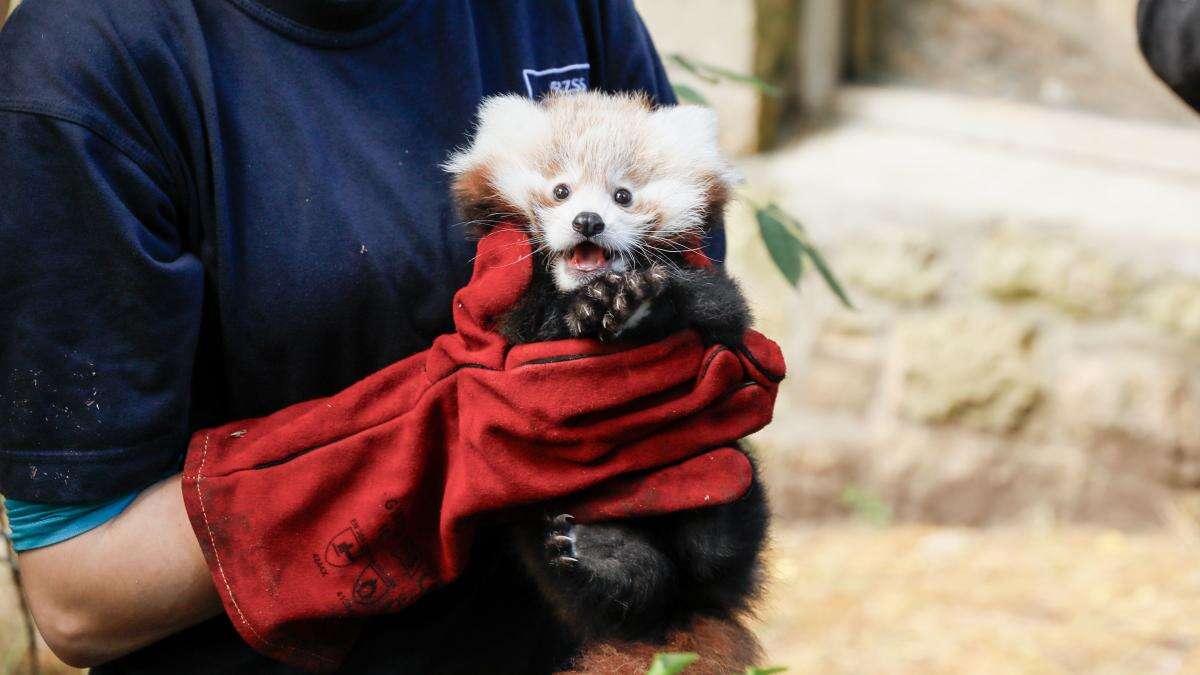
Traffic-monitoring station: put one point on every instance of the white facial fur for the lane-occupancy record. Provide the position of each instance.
(668, 159)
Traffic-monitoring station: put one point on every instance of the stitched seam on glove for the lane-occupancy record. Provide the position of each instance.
(555, 359)
(730, 393)
(455, 369)
(775, 378)
(579, 357)
(221, 568)
(327, 443)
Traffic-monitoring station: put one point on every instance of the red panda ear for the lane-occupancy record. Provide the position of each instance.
(692, 132)
(510, 122)
(689, 126)
(508, 127)
(716, 196)
(505, 125)
(476, 199)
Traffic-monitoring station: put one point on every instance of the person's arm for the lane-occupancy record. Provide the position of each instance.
(100, 303)
(123, 585)
(98, 318)
(1169, 35)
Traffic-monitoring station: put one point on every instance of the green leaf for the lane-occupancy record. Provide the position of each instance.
(670, 664)
(757, 83)
(693, 68)
(867, 506)
(784, 246)
(713, 74)
(689, 95)
(782, 232)
(786, 218)
(831, 281)
(764, 671)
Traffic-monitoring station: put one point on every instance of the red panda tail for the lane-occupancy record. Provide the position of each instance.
(724, 645)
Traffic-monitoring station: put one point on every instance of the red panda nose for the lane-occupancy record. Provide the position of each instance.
(588, 224)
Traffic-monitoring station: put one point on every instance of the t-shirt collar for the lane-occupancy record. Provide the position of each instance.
(328, 23)
(331, 15)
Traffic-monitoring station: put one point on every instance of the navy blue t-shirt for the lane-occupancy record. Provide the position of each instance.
(210, 210)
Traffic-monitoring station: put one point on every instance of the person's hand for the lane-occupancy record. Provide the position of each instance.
(359, 503)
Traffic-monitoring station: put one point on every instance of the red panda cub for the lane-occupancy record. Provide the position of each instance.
(614, 193)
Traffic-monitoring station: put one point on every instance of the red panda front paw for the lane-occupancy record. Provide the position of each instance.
(604, 307)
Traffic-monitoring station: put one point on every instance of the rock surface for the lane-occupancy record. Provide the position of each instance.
(1025, 345)
(966, 367)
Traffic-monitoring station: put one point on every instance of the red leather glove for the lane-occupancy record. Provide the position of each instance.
(358, 503)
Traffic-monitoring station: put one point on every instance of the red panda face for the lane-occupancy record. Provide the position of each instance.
(602, 182)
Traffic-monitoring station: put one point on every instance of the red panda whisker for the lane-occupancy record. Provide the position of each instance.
(651, 255)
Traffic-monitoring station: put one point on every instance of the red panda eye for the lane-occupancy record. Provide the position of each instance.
(561, 192)
(622, 197)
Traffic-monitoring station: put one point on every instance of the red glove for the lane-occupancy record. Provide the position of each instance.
(358, 503)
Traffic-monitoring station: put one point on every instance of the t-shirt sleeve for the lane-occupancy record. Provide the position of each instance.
(100, 305)
(1169, 35)
(36, 525)
(631, 63)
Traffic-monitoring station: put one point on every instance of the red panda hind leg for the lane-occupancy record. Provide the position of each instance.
(724, 645)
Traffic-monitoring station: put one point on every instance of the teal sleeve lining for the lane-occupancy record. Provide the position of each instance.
(36, 525)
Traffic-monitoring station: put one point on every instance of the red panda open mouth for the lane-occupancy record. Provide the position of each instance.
(588, 257)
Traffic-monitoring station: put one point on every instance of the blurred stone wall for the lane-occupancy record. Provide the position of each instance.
(1071, 53)
(1027, 340)
(1026, 346)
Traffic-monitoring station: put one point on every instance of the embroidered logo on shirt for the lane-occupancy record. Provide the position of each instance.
(567, 79)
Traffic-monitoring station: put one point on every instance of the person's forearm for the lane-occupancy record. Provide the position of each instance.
(123, 585)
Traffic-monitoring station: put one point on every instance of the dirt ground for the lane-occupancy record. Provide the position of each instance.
(929, 600)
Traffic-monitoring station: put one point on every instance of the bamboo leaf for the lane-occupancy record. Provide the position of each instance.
(831, 281)
(693, 68)
(785, 247)
(786, 218)
(764, 671)
(689, 95)
(757, 83)
(712, 74)
(670, 664)
(795, 230)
